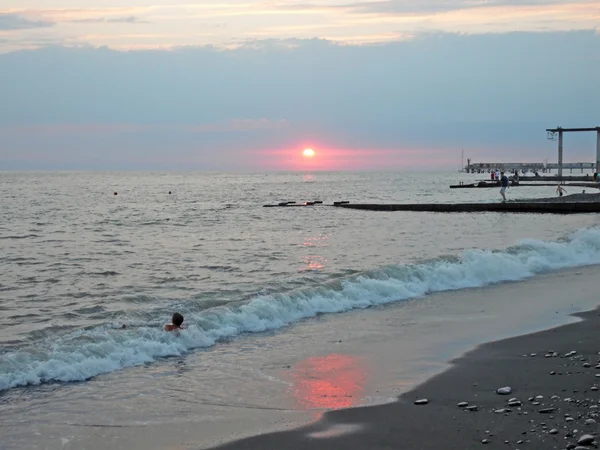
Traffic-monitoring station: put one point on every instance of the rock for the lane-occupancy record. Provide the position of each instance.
(594, 388)
(485, 441)
(547, 410)
(598, 375)
(598, 366)
(571, 446)
(555, 397)
(519, 442)
(504, 390)
(500, 411)
(463, 404)
(535, 403)
(533, 354)
(570, 419)
(539, 397)
(553, 373)
(586, 365)
(586, 439)
(514, 399)
(579, 447)
(571, 353)
(514, 403)
(531, 399)
(553, 431)
(590, 422)
(422, 401)
(472, 408)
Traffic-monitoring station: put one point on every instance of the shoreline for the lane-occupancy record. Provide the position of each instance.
(556, 392)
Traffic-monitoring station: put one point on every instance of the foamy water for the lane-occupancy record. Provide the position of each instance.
(79, 355)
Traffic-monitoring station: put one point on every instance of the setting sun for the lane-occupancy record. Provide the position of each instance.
(308, 152)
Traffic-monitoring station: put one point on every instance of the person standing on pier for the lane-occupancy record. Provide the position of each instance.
(560, 190)
(504, 183)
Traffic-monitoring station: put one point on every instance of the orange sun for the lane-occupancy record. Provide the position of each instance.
(308, 152)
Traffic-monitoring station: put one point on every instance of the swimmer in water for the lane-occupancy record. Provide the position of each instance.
(177, 323)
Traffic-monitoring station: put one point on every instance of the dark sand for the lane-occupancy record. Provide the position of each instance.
(527, 364)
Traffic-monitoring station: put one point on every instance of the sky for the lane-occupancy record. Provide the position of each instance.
(248, 85)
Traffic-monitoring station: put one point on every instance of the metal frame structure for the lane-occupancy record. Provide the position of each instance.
(560, 130)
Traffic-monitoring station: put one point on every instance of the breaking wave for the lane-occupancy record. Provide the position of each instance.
(80, 355)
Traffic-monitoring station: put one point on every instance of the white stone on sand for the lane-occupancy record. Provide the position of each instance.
(504, 390)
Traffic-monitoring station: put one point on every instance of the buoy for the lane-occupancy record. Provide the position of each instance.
(169, 192)
(116, 193)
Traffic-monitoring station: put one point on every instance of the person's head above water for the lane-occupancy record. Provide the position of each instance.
(177, 319)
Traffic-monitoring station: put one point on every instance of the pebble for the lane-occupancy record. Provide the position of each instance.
(553, 431)
(514, 403)
(422, 401)
(598, 375)
(472, 408)
(571, 446)
(586, 439)
(587, 364)
(555, 397)
(539, 397)
(553, 373)
(570, 419)
(500, 411)
(504, 390)
(463, 404)
(519, 442)
(533, 354)
(590, 422)
(579, 447)
(547, 410)
(485, 441)
(535, 403)
(594, 388)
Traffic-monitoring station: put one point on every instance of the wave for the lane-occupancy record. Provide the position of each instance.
(83, 354)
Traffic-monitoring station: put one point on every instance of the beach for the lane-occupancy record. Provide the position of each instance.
(552, 402)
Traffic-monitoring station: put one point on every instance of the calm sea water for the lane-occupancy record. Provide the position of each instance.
(78, 261)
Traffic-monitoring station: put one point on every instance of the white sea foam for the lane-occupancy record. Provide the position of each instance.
(86, 353)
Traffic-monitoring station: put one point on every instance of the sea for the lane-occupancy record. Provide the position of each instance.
(93, 264)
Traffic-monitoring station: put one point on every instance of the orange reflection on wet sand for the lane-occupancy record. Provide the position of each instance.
(329, 382)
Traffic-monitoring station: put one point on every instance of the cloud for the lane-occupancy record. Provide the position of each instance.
(127, 19)
(9, 22)
(492, 94)
(106, 129)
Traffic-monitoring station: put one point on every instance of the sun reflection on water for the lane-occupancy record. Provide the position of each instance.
(328, 382)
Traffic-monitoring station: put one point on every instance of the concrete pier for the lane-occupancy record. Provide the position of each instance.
(509, 207)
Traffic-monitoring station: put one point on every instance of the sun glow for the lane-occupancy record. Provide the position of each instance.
(308, 152)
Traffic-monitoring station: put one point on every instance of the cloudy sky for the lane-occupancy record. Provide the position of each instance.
(248, 84)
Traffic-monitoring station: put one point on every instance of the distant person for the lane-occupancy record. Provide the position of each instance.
(504, 183)
(177, 321)
(595, 176)
(560, 190)
(493, 175)
(498, 175)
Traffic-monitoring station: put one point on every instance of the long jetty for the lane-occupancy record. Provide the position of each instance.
(539, 207)
(493, 184)
(512, 207)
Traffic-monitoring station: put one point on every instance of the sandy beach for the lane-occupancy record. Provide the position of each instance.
(552, 402)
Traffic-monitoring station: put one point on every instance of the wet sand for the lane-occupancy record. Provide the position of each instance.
(554, 377)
